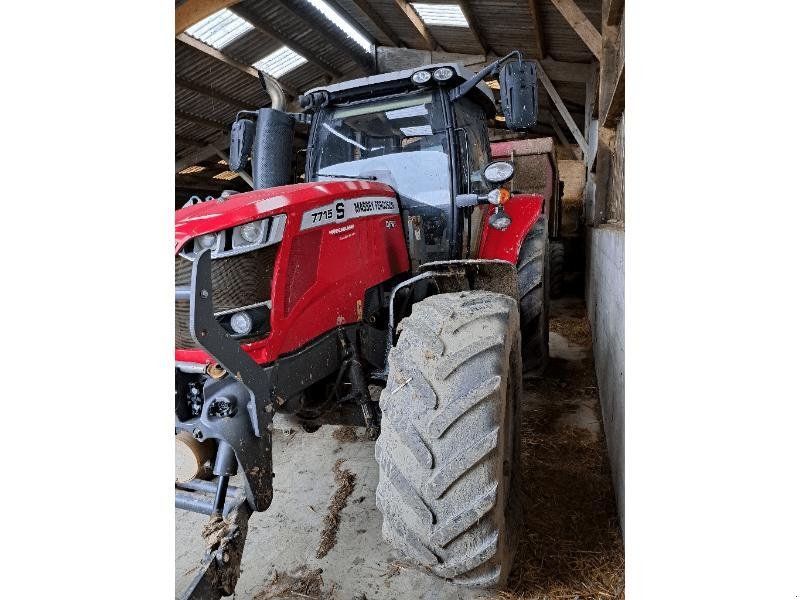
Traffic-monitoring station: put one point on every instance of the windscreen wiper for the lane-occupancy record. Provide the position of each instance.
(368, 177)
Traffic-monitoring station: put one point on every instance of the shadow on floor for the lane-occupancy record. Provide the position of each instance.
(570, 546)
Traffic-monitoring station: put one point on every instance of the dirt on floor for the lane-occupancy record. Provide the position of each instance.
(577, 331)
(345, 482)
(345, 434)
(571, 547)
(299, 583)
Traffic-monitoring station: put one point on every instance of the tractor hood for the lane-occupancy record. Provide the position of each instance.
(293, 200)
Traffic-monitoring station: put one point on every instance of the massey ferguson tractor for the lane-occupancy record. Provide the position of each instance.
(405, 259)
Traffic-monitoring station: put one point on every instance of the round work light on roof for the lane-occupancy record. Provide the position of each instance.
(421, 77)
(442, 74)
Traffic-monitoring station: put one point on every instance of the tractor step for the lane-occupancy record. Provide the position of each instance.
(224, 536)
(198, 496)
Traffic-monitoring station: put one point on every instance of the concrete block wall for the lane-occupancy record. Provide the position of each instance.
(605, 303)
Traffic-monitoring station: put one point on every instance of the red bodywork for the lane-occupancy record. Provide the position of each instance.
(523, 209)
(320, 274)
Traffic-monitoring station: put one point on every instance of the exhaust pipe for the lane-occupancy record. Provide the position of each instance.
(276, 96)
(270, 139)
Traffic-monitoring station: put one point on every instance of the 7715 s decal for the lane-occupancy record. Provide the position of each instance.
(344, 210)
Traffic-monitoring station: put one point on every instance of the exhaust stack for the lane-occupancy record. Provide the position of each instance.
(268, 134)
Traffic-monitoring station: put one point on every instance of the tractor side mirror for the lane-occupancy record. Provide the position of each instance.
(243, 132)
(518, 93)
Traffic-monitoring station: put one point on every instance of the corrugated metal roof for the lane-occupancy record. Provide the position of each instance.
(504, 24)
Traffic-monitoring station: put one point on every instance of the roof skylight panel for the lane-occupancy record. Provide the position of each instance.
(280, 62)
(447, 15)
(220, 29)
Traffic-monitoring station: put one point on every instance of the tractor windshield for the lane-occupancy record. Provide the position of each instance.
(400, 142)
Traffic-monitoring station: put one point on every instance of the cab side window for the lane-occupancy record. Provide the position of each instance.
(473, 144)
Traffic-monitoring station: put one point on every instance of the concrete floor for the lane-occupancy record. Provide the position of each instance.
(286, 536)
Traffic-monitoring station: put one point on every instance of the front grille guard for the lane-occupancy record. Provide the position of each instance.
(241, 282)
(243, 438)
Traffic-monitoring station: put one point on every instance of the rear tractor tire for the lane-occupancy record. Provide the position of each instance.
(556, 269)
(533, 281)
(448, 451)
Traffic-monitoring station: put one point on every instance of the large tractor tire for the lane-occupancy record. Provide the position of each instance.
(533, 281)
(448, 453)
(556, 269)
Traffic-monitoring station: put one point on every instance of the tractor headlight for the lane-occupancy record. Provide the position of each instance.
(498, 172)
(207, 240)
(421, 77)
(251, 232)
(242, 323)
(248, 234)
(442, 74)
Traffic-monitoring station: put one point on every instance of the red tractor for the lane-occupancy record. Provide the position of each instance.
(405, 260)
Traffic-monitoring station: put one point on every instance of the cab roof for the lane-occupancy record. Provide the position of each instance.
(398, 81)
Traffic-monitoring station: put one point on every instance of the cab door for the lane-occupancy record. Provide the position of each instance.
(472, 143)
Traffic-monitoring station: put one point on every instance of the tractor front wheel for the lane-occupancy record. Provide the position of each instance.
(448, 450)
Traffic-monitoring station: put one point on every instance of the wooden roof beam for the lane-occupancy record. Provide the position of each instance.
(264, 27)
(562, 109)
(563, 138)
(361, 58)
(473, 25)
(536, 17)
(184, 116)
(203, 153)
(212, 93)
(191, 12)
(581, 25)
(216, 54)
(223, 58)
(416, 22)
(189, 141)
(566, 71)
(371, 15)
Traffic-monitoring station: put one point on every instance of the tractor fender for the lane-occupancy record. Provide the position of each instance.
(495, 244)
(474, 274)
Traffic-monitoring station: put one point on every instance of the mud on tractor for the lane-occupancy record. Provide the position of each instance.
(407, 260)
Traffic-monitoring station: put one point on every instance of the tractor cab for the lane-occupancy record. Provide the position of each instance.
(421, 131)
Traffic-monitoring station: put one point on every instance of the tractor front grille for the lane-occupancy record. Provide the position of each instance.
(237, 281)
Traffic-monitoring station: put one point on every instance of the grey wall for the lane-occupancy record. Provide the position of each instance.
(605, 303)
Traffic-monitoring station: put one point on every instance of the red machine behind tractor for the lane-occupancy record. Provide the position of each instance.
(405, 260)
